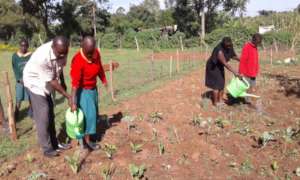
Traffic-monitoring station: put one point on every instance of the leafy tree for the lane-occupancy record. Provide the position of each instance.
(266, 12)
(43, 10)
(141, 17)
(170, 4)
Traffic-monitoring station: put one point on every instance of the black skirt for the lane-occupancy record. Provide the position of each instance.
(215, 75)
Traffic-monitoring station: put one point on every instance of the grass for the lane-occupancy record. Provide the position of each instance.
(131, 79)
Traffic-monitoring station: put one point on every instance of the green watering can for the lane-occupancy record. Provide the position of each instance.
(75, 123)
(238, 88)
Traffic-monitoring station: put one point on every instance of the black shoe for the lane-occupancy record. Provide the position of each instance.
(51, 153)
(62, 147)
(93, 146)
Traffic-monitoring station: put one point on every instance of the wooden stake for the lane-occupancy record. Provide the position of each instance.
(10, 110)
(111, 81)
(271, 56)
(171, 66)
(137, 44)
(1, 115)
(181, 43)
(177, 61)
(152, 66)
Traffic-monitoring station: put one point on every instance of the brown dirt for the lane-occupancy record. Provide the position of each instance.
(207, 152)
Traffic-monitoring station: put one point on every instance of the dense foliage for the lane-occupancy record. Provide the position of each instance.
(152, 26)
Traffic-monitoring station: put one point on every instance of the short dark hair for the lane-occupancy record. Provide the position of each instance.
(24, 40)
(61, 40)
(256, 36)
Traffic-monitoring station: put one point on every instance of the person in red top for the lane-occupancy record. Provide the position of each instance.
(85, 68)
(249, 61)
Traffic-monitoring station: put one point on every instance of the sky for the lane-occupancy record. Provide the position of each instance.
(252, 8)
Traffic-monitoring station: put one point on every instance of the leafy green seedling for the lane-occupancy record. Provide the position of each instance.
(74, 161)
(137, 172)
(29, 158)
(265, 138)
(110, 150)
(221, 123)
(246, 167)
(107, 172)
(274, 166)
(161, 148)
(37, 175)
(135, 148)
(156, 117)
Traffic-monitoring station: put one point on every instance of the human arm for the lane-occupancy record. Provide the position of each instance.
(76, 76)
(222, 59)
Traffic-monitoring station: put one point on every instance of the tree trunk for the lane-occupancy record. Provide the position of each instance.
(1, 115)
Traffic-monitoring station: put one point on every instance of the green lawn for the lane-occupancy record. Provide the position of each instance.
(132, 78)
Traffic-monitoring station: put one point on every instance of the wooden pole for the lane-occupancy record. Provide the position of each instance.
(137, 44)
(1, 115)
(152, 66)
(181, 43)
(111, 81)
(177, 61)
(171, 66)
(10, 110)
(271, 56)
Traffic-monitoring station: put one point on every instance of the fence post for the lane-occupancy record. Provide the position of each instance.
(171, 65)
(181, 43)
(1, 115)
(111, 81)
(10, 110)
(152, 66)
(177, 61)
(271, 56)
(137, 44)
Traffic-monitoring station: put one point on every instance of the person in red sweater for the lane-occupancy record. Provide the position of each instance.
(85, 68)
(249, 61)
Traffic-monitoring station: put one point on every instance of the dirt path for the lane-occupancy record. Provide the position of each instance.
(223, 146)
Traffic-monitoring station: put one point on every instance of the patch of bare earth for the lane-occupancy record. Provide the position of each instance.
(225, 145)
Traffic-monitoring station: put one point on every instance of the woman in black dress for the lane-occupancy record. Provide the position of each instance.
(215, 74)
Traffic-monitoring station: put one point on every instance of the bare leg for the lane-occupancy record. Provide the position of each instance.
(221, 96)
(215, 98)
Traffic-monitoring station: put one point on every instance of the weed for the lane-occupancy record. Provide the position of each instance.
(137, 172)
(155, 117)
(135, 148)
(37, 175)
(198, 121)
(246, 167)
(74, 161)
(140, 117)
(110, 150)
(161, 148)
(107, 172)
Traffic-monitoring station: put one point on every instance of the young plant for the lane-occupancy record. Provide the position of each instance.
(156, 117)
(74, 161)
(37, 175)
(161, 148)
(274, 166)
(110, 150)
(137, 172)
(221, 123)
(265, 138)
(107, 172)
(135, 148)
(246, 167)
(29, 158)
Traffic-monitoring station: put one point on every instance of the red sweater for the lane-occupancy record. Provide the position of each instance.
(249, 65)
(84, 74)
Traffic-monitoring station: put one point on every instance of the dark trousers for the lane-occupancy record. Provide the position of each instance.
(43, 115)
